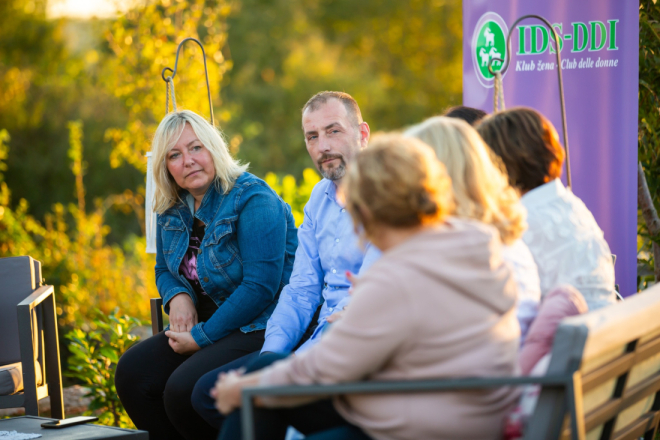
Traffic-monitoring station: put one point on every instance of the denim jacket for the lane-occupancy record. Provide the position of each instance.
(245, 258)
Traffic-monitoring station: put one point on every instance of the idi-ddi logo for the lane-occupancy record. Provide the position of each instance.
(488, 42)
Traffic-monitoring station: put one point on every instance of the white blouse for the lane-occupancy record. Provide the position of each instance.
(567, 244)
(525, 272)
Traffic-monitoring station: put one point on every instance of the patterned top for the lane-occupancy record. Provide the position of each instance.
(567, 244)
(205, 305)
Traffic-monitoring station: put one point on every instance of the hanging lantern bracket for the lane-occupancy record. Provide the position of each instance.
(169, 79)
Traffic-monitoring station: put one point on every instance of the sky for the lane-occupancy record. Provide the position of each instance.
(85, 8)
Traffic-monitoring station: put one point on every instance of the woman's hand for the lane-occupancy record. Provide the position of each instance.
(183, 315)
(227, 391)
(353, 279)
(336, 316)
(182, 343)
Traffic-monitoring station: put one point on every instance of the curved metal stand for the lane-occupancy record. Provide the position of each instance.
(505, 66)
(206, 72)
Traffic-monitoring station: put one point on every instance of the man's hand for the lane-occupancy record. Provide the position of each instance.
(227, 391)
(182, 343)
(183, 315)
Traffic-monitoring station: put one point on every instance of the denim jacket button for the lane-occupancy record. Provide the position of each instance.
(199, 251)
(206, 279)
(252, 326)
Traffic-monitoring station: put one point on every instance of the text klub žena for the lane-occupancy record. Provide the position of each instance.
(567, 64)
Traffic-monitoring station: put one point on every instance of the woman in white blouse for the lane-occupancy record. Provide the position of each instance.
(482, 192)
(567, 244)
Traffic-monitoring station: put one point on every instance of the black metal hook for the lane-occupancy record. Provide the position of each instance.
(206, 72)
(559, 76)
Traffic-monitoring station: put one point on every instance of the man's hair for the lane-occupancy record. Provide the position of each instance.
(351, 105)
(528, 145)
(469, 114)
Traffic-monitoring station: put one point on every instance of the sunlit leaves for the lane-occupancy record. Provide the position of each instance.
(143, 42)
(649, 122)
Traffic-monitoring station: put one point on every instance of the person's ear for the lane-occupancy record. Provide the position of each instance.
(365, 131)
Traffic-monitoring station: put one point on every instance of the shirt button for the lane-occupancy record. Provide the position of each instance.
(206, 279)
(334, 270)
(336, 240)
(343, 209)
(330, 309)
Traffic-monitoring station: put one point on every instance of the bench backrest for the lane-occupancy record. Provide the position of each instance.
(616, 351)
(19, 277)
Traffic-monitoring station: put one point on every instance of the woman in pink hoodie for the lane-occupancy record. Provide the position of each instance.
(438, 304)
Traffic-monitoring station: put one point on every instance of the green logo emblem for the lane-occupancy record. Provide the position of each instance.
(488, 42)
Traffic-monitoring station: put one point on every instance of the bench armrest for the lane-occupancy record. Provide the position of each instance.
(569, 383)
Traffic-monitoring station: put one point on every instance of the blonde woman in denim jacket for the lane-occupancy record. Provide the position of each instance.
(225, 248)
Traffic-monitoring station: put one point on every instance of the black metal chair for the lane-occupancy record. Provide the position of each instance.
(604, 377)
(156, 315)
(29, 351)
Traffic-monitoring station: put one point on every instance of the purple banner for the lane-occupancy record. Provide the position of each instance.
(599, 50)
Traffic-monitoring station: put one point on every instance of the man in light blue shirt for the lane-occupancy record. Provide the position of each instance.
(328, 247)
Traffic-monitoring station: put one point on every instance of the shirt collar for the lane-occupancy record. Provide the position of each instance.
(541, 194)
(209, 206)
(331, 191)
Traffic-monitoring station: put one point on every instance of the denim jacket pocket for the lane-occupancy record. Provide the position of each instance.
(171, 229)
(221, 252)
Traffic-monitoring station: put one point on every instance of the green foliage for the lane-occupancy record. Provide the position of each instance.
(86, 271)
(93, 361)
(142, 43)
(401, 60)
(649, 120)
(296, 196)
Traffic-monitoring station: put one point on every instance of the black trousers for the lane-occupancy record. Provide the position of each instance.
(154, 383)
(317, 421)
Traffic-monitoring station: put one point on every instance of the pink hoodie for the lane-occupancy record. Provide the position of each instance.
(439, 305)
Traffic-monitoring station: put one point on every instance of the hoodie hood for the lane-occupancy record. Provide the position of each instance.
(466, 256)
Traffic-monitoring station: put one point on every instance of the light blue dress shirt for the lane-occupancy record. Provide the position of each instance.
(327, 248)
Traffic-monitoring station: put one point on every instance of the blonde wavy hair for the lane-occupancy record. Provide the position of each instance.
(481, 187)
(227, 169)
(400, 182)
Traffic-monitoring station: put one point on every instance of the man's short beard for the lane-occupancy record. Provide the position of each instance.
(335, 173)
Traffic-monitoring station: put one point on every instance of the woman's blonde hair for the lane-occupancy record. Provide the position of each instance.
(399, 182)
(481, 187)
(227, 169)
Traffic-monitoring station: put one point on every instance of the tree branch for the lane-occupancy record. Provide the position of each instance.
(650, 216)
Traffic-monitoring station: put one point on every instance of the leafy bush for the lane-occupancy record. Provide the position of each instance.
(295, 195)
(93, 361)
(86, 271)
(649, 133)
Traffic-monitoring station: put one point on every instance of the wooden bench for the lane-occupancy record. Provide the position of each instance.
(603, 381)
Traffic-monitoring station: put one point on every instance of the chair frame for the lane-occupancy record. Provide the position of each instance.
(156, 315)
(41, 301)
